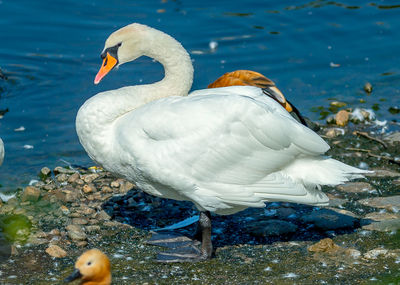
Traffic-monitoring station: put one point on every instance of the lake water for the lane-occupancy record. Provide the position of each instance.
(315, 52)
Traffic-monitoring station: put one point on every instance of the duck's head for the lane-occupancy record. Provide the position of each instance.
(92, 267)
(123, 45)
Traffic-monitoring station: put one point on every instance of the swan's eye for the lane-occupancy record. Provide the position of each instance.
(120, 44)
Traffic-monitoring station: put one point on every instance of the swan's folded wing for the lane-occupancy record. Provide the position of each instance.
(216, 140)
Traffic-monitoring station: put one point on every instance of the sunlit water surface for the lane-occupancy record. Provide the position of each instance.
(315, 51)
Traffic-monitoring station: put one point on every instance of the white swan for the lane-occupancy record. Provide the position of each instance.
(1, 151)
(224, 149)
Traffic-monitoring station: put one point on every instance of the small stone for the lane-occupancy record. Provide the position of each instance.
(393, 138)
(49, 187)
(88, 178)
(82, 243)
(374, 253)
(338, 104)
(55, 232)
(379, 216)
(89, 188)
(368, 87)
(334, 132)
(75, 232)
(79, 221)
(71, 197)
(382, 202)
(30, 194)
(74, 177)
(325, 245)
(56, 251)
(106, 189)
(127, 186)
(342, 118)
(383, 226)
(93, 228)
(115, 184)
(102, 215)
(354, 253)
(64, 210)
(79, 181)
(62, 177)
(356, 187)
(60, 169)
(44, 173)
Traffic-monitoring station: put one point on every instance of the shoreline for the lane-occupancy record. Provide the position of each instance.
(355, 239)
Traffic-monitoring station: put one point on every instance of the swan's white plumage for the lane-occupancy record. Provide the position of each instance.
(225, 149)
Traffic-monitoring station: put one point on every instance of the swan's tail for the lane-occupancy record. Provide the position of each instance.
(323, 171)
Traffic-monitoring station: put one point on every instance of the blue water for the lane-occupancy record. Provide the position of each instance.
(50, 52)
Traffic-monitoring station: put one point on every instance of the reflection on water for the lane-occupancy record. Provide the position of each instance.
(315, 51)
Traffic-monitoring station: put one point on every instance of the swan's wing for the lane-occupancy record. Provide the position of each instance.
(219, 144)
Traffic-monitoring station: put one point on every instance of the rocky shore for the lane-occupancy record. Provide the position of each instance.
(355, 240)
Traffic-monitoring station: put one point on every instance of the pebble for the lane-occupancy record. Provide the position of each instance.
(30, 194)
(76, 233)
(115, 184)
(356, 187)
(334, 132)
(88, 178)
(342, 118)
(393, 138)
(74, 177)
(89, 188)
(102, 215)
(368, 87)
(56, 251)
(379, 216)
(45, 172)
(62, 177)
(79, 221)
(354, 253)
(374, 253)
(383, 226)
(60, 169)
(382, 202)
(325, 245)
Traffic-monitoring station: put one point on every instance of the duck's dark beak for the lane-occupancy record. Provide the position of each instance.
(74, 275)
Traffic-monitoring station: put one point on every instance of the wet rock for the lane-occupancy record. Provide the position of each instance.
(383, 226)
(353, 253)
(382, 202)
(393, 138)
(106, 189)
(30, 194)
(271, 228)
(356, 187)
(60, 169)
(367, 87)
(49, 187)
(327, 219)
(125, 187)
(79, 221)
(325, 245)
(334, 132)
(375, 253)
(381, 216)
(88, 178)
(89, 188)
(92, 228)
(73, 177)
(383, 173)
(115, 184)
(102, 215)
(44, 173)
(65, 210)
(76, 233)
(342, 118)
(62, 177)
(56, 251)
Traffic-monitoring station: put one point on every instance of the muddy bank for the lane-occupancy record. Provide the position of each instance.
(354, 240)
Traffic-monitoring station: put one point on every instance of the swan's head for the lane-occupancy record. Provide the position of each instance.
(124, 45)
(92, 267)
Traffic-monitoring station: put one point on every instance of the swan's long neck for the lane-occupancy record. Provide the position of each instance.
(97, 114)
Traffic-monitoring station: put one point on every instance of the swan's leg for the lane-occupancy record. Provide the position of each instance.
(183, 249)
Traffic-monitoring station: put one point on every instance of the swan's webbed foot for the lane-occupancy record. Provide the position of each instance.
(182, 248)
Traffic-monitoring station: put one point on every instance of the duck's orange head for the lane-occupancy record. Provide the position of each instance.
(92, 267)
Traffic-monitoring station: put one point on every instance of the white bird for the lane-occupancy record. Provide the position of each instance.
(1, 151)
(224, 149)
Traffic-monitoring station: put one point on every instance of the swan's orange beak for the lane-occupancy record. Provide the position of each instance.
(108, 63)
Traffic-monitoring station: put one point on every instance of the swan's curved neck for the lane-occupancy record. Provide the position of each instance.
(106, 107)
(97, 115)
